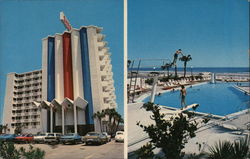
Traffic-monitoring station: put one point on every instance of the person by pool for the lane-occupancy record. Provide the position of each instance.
(183, 94)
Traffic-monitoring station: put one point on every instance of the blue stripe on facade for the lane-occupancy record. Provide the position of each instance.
(86, 75)
(51, 69)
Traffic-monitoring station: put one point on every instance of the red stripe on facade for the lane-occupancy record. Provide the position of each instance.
(67, 67)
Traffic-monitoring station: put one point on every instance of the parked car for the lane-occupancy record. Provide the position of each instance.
(70, 138)
(119, 136)
(40, 138)
(94, 138)
(107, 136)
(8, 137)
(52, 138)
(26, 138)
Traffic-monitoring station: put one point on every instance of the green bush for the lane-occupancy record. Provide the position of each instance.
(8, 151)
(168, 135)
(149, 81)
(32, 153)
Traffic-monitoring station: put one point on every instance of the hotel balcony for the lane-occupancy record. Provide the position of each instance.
(34, 120)
(17, 114)
(106, 105)
(104, 51)
(106, 94)
(105, 83)
(101, 45)
(25, 113)
(100, 37)
(104, 73)
(103, 63)
(18, 121)
(25, 120)
(35, 113)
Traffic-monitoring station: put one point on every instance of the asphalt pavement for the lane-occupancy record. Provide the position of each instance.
(111, 150)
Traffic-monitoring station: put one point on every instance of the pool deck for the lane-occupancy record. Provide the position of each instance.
(160, 90)
(244, 89)
(235, 126)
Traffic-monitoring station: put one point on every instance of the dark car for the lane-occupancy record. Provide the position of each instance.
(8, 137)
(72, 138)
(94, 138)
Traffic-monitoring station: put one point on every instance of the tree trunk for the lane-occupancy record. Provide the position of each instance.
(100, 122)
(185, 68)
(117, 125)
(168, 71)
(175, 69)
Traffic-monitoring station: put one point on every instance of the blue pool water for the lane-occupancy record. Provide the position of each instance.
(219, 99)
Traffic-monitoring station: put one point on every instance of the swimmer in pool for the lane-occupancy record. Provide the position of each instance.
(183, 94)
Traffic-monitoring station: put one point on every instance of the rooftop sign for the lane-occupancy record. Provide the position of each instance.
(65, 21)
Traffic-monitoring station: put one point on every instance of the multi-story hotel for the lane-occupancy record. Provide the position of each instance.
(76, 82)
(21, 91)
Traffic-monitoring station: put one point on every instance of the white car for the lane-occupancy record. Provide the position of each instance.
(107, 136)
(40, 138)
(119, 136)
(52, 138)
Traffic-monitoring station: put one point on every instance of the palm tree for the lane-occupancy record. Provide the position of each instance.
(241, 149)
(128, 63)
(1, 129)
(18, 129)
(110, 113)
(119, 120)
(179, 51)
(236, 150)
(166, 66)
(99, 116)
(185, 59)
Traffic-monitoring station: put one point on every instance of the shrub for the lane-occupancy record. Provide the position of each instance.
(8, 151)
(169, 135)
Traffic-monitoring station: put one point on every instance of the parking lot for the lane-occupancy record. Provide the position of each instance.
(111, 150)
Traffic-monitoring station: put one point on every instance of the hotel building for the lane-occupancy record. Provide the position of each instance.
(21, 91)
(75, 82)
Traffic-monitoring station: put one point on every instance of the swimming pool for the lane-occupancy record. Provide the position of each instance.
(219, 99)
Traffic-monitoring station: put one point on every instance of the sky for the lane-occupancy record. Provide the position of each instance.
(214, 32)
(23, 23)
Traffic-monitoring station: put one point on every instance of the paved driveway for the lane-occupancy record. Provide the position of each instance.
(111, 150)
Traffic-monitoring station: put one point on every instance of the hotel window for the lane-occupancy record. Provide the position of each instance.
(20, 87)
(27, 80)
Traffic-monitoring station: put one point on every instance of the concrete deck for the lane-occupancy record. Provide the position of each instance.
(236, 126)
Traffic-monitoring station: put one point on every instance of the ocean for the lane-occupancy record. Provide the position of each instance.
(205, 69)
